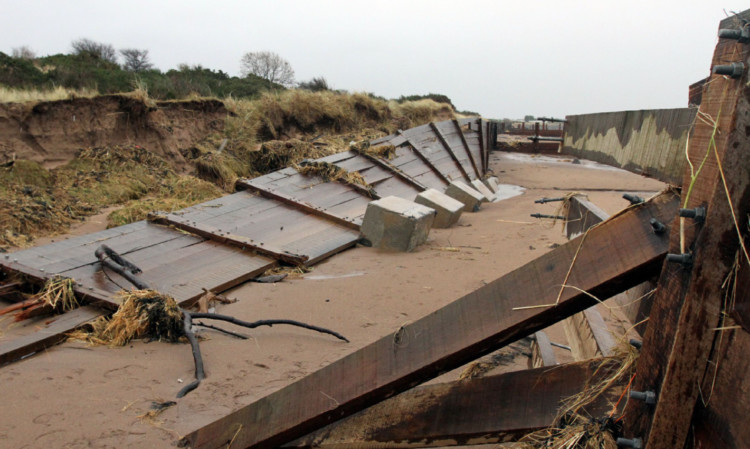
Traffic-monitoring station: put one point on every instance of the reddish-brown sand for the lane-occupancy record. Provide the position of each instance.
(76, 396)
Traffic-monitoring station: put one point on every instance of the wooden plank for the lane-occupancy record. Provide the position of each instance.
(448, 149)
(581, 215)
(542, 353)
(492, 409)
(688, 304)
(426, 161)
(482, 150)
(466, 147)
(20, 347)
(225, 237)
(286, 199)
(88, 293)
(505, 310)
(396, 171)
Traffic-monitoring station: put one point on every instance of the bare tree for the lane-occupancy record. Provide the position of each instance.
(268, 65)
(24, 52)
(105, 52)
(135, 60)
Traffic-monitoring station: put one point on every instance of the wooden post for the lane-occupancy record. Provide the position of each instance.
(689, 301)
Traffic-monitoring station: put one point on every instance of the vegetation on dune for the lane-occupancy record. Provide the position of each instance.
(84, 72)
(268, 128)
(36, 201)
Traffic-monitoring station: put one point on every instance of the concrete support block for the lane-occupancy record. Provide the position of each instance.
(396, 224)
(447, 209)
(481, 188)
(491, 184)
(470, 198)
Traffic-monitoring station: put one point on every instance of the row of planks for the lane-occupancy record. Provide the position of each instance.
(282, 217)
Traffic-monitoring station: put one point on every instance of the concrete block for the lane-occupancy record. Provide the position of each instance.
(481, 188)
(397, 224)
(491, 184)
(470, 198)
(447, 209)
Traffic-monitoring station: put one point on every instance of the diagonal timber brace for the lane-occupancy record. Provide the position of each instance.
(492, 409)
(609, 258)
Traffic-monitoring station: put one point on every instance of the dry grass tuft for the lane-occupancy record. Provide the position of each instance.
(386, 151)
(573, 428)
(277, 154)
(330, 172)
(58, 294)
(142, 313)
(292, 272)
(10, 95)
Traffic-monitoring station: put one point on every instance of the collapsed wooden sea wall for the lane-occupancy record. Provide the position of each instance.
(648, 142)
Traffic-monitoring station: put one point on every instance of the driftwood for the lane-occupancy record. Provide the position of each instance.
(110, 259)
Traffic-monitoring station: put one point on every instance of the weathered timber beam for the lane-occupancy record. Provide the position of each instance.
(466, 147)
(424, 159)
(227, 238)
(499, 313)
(482, 410)
(43, 338)
(448, 149)
(587, 332)
(393, 169)
(247, 184)
(688, 304)
(88, 295)
(482, 148)
(542, 353)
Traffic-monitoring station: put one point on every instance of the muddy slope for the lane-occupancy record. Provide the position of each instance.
(51, 132)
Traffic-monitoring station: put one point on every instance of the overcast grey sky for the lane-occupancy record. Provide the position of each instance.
(499, 58)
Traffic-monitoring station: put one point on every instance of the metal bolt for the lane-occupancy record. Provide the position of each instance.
(698, 214)
(90, 288)
(42, 270)
(649, 397)
(548, 200)
(733, 70)
(685, 259)
(658, 226)
(742, 35)
(637, 344)
(635, 443)
(7, 257)
(556, 217)
(634, 199)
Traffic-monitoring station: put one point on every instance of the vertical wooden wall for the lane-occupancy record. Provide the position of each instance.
(648, 142)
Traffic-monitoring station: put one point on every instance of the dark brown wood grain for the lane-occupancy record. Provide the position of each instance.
(688, 305)
(492, 409)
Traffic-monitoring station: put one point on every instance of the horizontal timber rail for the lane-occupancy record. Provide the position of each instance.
(217, 235)
(247, 184)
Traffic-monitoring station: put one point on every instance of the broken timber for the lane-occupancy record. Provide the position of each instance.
(511, 307)
(491, 409)
(55, 332)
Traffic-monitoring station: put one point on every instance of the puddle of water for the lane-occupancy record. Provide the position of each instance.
(566, 160)
(323, 277)
(506, 191)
